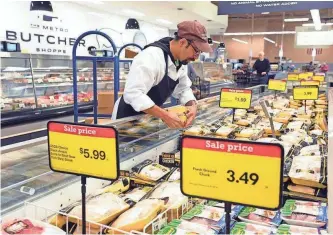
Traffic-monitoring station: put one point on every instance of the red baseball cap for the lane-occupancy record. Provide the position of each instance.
(196, 33)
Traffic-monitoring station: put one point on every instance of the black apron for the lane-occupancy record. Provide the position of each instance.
(158, 94)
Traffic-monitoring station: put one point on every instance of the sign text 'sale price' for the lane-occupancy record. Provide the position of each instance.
(277, 85)
(83, 150)
(235, 98)
(292, 77)
(305, 92)
(246, 173)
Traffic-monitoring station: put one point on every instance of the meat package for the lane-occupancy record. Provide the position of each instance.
(286, 229)
(304, 213)
(260, 216)
(29, 226)
(247, 228)
(149, 170)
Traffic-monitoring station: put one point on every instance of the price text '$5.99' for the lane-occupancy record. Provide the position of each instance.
(95, 154)
(246, 177)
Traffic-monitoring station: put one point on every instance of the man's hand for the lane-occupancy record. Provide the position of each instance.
(191, 114)
(173, 121)
(263, 73)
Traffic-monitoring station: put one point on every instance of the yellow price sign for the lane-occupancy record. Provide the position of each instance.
(310, 83)
(319, 78)
(235, 98)
(83, 150)
(277, 85)
(310, 74)
(232, 171)
(305, 92)
(292, 77)
(304, 76)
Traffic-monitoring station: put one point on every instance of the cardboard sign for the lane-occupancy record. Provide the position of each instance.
(235, 98)
(240, 172)
(83, 150)
(277, 85)
(305, 92)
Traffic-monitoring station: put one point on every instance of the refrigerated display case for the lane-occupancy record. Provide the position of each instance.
(35, 87)
(140, 138)
(211, 77)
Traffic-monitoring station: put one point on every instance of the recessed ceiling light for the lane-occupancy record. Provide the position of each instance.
(163, 21)
(133, 13)
(264, 13)
(296, 20)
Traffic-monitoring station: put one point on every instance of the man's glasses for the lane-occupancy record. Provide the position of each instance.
(196, 50)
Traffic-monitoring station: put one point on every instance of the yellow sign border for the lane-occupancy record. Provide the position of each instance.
(285, 86)
(235, 141)
(234, 89)
(304, 87)
(87, 125)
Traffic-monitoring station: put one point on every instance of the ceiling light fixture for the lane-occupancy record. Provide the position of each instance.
(323, 24)
(133, 13)
(269, 40)
(265, 13)
(163, 21)
(238, 40)
(259, 33)
(296, 20)
(316, 18)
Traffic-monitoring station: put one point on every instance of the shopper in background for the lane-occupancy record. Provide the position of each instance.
(158, 71)
(310, 67)
(262, 67)
(324, 68)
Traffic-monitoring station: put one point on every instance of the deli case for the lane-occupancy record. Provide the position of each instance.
(30, 189)
(34, 87)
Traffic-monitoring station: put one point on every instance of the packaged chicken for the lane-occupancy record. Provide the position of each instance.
(304, 213)
(253, 133)
(174, 175)
(149, 170)
(236, 209)
(213, 217)
(181, 111)
(266, 126)
(286, 229)
(260, 216)
(28, 226)
(136, 194)
(309, 171)
(197, 130)
(139, 215)
(225, 130)
(101, 209)
(247, 228)
(301, 190)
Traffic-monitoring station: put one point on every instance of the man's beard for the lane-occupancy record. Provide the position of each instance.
(185, 62)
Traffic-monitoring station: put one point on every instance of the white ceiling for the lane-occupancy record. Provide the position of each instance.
(201, 11)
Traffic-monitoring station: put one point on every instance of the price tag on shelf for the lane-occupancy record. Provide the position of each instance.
(319, 78)
(292, 77)
(277, 85)
(235, 98)
(304, 76)
(310, 74)
(305, 92)
(310, 83)
(226, 170)
(83, 150)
